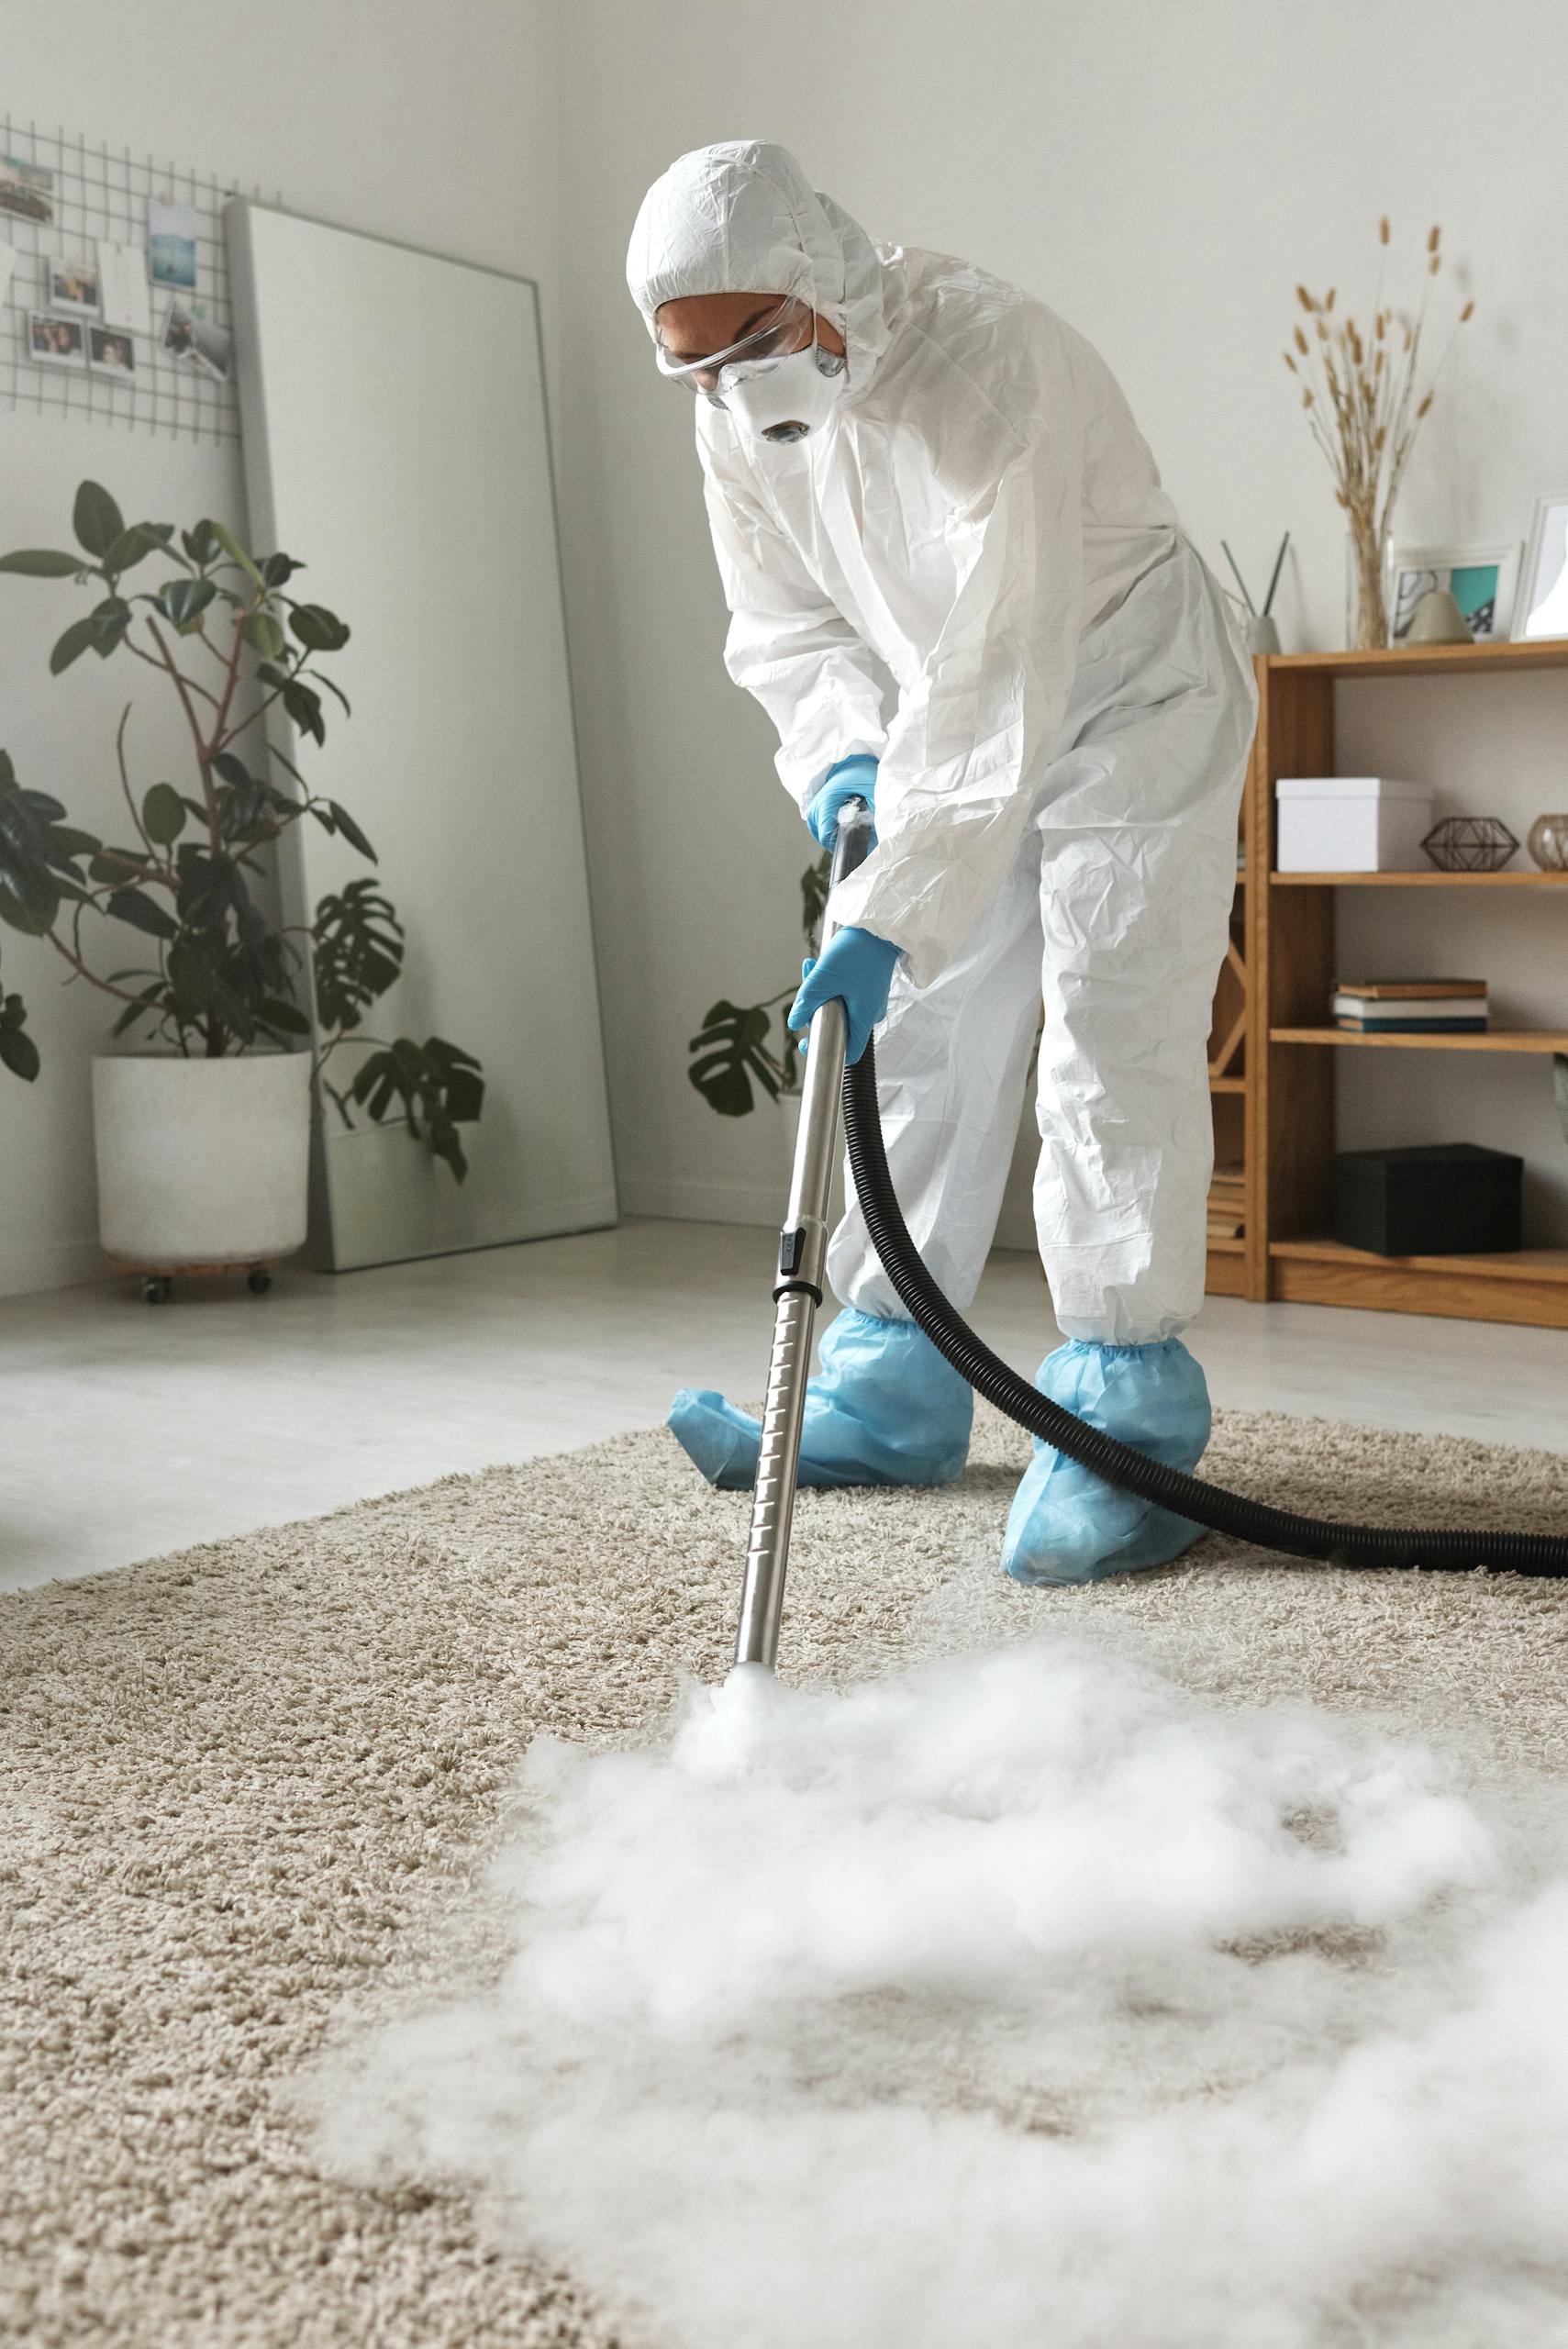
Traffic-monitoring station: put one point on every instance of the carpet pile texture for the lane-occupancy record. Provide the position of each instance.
(240, 1782)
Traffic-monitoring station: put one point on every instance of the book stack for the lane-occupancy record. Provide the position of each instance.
(1228, 1201)
(1411, 1007)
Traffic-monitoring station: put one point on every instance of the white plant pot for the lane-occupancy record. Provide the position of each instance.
(202, 1162)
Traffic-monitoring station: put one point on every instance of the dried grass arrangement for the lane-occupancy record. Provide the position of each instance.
(1364, 403)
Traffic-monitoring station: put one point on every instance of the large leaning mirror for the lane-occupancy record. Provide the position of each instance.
(395, 430)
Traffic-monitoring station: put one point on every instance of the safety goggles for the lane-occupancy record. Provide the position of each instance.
(785, 330)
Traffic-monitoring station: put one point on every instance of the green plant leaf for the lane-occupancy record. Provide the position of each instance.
(189, 987)
(78, 636)
(731, 1052)
(206, 889)
(430, 1082)
(335, 690)
(150, 998)
(18, 1051)
(814, 886)
(358, 942)
(40, 563)
(263, 632)
(142, 912)
(228, 769)
(183, 601)
(305, 708)
(67, 843)
(319, 630)
(277, 570)
(350, 830)
(232, 548)
(163, 814)
(287, 1017)
(96, 519)
(111, 621)
(133, 546)
(17, 914)
(115, 863)
(199, 543)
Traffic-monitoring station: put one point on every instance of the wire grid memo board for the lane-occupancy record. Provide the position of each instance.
(101, 193)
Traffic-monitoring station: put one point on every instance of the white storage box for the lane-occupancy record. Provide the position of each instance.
(1352, 823)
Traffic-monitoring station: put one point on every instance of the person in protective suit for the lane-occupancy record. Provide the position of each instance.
(915, 470)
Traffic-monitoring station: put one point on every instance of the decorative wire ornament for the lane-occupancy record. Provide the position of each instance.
(1470, 845)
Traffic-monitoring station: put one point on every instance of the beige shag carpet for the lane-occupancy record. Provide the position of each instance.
(235, 1781)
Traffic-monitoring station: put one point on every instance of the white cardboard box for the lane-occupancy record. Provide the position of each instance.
(1352, 823)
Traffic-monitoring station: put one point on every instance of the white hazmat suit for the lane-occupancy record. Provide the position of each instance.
(970, 574)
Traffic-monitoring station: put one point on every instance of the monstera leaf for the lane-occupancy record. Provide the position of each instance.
(731, 1051)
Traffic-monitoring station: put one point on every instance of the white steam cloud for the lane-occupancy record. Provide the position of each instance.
(1016, 2002)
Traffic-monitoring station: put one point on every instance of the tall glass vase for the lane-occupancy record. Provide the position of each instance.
(1366, 612)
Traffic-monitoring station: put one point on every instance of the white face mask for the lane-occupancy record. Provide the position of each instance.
(784, 400)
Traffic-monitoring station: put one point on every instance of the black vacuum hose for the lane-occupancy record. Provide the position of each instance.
(1118, 1463)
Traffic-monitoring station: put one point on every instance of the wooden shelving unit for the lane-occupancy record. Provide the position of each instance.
(1273, 1080)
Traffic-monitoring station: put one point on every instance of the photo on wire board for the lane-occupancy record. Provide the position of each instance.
(111, 351)
(27, 190)
(171, 244)
(55, 342)
(1481, 580)
(190, 334)
(75, 285)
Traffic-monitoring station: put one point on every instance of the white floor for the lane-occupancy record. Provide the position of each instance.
(130, 1429)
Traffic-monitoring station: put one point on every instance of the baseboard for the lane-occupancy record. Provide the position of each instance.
(57, 1263)
(761, 1203)
(684, 1202)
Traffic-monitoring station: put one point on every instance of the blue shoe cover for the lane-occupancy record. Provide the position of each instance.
(884, 1409)
(1067, 1525)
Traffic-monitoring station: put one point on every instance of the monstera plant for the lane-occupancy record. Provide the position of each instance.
(734, 1049)
(167, 921)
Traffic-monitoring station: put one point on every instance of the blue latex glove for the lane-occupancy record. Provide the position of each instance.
(1067, 1525)
(851, 779)
(884, 1409)
(858, 970)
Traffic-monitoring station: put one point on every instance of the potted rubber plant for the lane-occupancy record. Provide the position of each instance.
(202, 1116)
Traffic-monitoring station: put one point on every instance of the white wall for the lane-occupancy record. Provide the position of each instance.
(436, 128)
(1162, 174)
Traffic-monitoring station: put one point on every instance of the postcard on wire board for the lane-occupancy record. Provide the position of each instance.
(74, 285)
(27, 190)
(111, 351)
(190, 334)
(126, 296)
(56, 342)
(171, 242)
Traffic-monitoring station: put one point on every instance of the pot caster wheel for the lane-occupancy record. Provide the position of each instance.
(258, 1282)
(157, 1289)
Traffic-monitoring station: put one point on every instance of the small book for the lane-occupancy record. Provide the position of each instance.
(1410, 990)
(1471, 1009)
(1396, 1027)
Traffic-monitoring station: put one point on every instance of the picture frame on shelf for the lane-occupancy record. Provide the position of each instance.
(1544, 583)
(1482, 580)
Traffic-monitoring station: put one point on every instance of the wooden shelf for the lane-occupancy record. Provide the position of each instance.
(1526, 1284)
(1520, 880)
(1283, 964)
(1227, 1247)
(1494, 1040)
(1424, 659)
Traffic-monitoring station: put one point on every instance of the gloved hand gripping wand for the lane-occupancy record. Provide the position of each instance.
(803, 1255)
